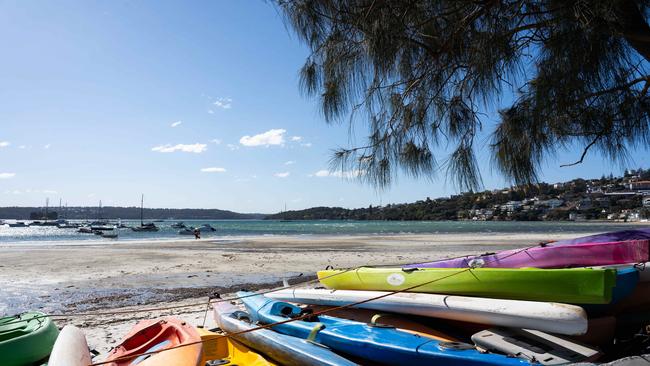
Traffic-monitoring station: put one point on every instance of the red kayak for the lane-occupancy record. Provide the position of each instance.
(159, 335)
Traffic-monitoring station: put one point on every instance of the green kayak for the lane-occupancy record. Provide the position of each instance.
(26, 339)
(573, 285)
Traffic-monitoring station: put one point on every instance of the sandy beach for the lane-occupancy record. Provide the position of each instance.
(69, 278)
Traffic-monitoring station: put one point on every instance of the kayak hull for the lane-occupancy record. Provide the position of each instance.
(26, 338)
(574, 286)
(287, 350)
(228, 351)
(549, 317)
(622, 235)
(552, 256)
(70, 348)
(158, 335)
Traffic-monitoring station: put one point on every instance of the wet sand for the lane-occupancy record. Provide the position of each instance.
(71, 277)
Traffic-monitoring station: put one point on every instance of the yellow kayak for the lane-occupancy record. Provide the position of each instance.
(231, 352)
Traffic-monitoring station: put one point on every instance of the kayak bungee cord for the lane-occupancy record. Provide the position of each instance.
(300, 317)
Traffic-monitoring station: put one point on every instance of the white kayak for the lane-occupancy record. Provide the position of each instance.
(534, 346)
(545, 316)
(70, 348)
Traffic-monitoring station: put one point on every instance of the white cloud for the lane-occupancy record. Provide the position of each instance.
(306, 144)
(176, 124)
(213, 170)
(50, 191)
(188, 148)
(4, 143)
(282, 175)
(268, 138)
(223, 103)
(210, 111)
(232, 147)
(7, 175)
(47, 146)
(216, 141)
(339, 174)
(290, 162)
(296, 138)
(22, 146)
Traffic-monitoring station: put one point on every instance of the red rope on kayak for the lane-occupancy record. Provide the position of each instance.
(300, 317)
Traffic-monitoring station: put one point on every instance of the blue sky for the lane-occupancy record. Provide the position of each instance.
(194, 104)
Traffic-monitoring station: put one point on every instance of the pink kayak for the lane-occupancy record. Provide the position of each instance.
(552, 256)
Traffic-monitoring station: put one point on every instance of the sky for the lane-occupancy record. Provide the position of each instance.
(192, 103)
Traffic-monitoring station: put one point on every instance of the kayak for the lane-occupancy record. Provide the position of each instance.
(528, 344)
(70, 348)
(377, 344)
(287, 350)
(158, 335)
(26, 338)
(622, 235)
(552, 256)
(549, 317)
(574, 285)
(225, 351)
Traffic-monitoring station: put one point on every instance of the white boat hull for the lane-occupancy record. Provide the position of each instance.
(545, 316)
(70, 348)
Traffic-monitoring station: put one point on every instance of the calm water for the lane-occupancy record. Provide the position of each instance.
(235, 228)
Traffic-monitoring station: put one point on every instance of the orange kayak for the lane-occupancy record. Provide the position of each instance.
(158, 335)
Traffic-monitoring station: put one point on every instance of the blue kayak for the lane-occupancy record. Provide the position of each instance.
(377, 343)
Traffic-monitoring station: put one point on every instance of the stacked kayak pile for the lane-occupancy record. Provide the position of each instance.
(556, 303)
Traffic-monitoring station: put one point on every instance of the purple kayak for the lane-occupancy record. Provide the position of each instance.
(552, 256)
(634, 234)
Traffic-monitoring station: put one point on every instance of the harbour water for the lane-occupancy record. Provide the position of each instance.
(231, 229)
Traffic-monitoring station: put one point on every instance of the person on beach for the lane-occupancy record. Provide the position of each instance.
(197, 234)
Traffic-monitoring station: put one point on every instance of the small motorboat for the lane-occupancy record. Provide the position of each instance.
(206, 228)
(110, 234)
(85, 230)
(148, 227)
(17, 224)
(101, 227)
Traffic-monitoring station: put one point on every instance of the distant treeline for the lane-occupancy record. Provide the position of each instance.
(127, 213)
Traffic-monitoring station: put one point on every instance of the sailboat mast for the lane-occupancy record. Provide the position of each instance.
(142, 210)
(47, 203)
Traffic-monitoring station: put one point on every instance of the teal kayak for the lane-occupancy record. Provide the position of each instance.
(26, 339)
